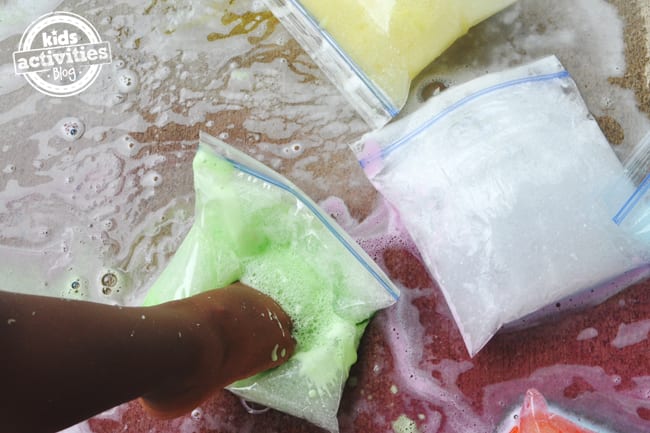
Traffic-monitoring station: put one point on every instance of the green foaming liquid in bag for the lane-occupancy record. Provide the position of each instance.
(253, 225)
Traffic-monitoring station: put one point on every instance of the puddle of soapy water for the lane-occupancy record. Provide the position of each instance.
(412, 371)
(511, 419)
(71, 211)
(424, 359)
(587, 334)
(631, 333)
(119, 194)
(601, 407)
(16, 15)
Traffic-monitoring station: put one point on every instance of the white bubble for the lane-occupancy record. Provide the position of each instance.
(77, 288)
(223, 135)
(130, 146)
(71, 128)
(115, 99)
(108, 224)
(118, 64)
(151, 179)
(113, 282)
(127, 81)
(253, 137)
(162, 73)
(10, 168)
(293, 150)
(257, 6)
(99, 136)
(43, 232)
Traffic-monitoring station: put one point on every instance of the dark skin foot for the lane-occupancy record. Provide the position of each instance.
(69, 360)
(247, 333)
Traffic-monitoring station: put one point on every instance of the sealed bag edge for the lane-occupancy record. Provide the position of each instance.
(371, 102)
(252, 167)
(372, 149)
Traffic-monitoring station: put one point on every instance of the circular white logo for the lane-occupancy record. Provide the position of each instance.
(61, 54)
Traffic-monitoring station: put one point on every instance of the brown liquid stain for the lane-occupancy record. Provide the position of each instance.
(613, 130)
(636, 53)
(246, 23)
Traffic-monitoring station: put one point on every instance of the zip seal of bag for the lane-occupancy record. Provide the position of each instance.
(372, 50)
(369, 101)
(476, 164)
(375, 153)
(637, 169)
(253, 225)
(243, 163)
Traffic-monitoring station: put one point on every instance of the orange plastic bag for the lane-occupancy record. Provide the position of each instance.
(536, 418)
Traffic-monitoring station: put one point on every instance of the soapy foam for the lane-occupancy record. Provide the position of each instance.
(587, 333)
(601, 399)
(404, 424)
(593, 403)
(157, 119)
(631, 333)
(16, 15)
(164, 66)
(419, 375)
(253, 227)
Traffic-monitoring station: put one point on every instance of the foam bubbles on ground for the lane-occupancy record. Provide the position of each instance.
(631, 333)
(71, 128)
(151, 179)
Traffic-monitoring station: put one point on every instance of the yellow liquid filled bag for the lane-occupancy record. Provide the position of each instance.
(372, 49)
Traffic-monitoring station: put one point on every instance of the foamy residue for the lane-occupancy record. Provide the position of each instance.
(230, 68)
(101, 179)
(417, 367)
(118, 198)
(587, 334)
(16, 15)
(631, 333)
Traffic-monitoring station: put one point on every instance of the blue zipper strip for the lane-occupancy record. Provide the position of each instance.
(316, 211)
(399, 143)
(385, 102)
(632, 201)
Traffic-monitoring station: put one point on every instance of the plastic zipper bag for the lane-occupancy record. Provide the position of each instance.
(535, 417)
(500, 182)
(253, 225)
(371, 50)
(634, 212)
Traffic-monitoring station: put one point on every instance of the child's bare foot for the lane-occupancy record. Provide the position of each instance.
(239, 332)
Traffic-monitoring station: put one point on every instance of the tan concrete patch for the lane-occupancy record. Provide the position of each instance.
(636, 14)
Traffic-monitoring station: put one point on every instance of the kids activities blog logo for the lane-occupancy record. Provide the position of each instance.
(61, 54)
